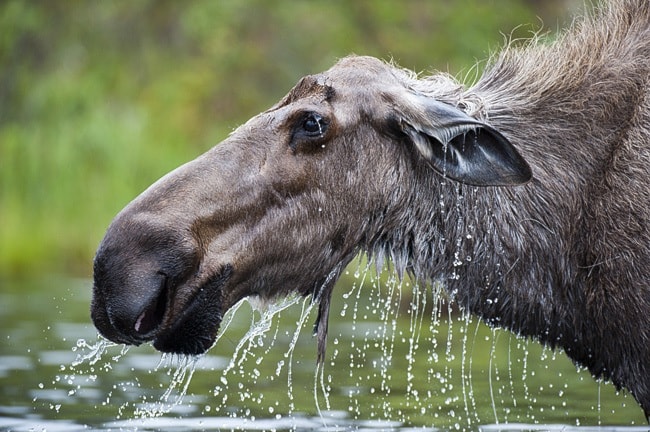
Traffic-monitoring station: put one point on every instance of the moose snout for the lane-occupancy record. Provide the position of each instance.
(128, 311)
(138, 270)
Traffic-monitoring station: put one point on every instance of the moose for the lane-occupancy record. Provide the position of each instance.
(526, 194)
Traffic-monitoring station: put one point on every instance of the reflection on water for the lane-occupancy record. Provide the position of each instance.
(392, 364)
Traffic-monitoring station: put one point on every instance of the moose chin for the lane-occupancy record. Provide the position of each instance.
(539, 172)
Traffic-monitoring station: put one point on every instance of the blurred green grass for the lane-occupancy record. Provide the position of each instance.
(98, 99)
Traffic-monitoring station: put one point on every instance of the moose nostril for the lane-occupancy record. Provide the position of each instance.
(152, 315)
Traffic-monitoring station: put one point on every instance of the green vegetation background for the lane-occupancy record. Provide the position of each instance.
(98, 99)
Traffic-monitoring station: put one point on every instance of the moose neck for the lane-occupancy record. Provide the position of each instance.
(521, 257)
(495, 257)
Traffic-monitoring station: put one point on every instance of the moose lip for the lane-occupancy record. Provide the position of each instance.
(191, 330)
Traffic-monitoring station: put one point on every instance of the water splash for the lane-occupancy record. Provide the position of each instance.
(90, 354)
(307, 306)
(491, 367)
(100, 356)
(259, 327)
(93, 353)
(91, 359)
(405, 355)
(243, 373)
(181, 370)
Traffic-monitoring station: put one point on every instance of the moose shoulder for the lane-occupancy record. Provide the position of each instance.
(539, 173)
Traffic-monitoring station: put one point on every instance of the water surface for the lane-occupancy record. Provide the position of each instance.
(393, 363)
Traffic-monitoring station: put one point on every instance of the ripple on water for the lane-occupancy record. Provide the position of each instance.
(524, 427)
(217, 423)
(29, 425)
(56, 357)
(10, 363)
(100, 385)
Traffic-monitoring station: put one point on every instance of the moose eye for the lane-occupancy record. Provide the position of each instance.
(314, 125)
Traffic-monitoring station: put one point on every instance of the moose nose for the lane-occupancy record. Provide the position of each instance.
(151, 316)
(129, 301)
(136, 270)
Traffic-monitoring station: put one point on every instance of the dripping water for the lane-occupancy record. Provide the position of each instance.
(405, 355)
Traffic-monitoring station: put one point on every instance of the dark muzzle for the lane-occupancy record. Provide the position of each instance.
(146, 289)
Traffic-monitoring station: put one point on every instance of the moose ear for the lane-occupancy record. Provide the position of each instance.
(462, 148)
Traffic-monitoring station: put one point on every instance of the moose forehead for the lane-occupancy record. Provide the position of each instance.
(309, 86)
(357, 80)
(351, 74)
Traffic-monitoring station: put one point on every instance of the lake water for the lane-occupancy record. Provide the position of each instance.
(394, 362)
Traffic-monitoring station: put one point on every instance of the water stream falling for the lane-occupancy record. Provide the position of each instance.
(398, 356)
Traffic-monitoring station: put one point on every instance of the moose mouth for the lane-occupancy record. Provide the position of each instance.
(185, 327)
(193, 330)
